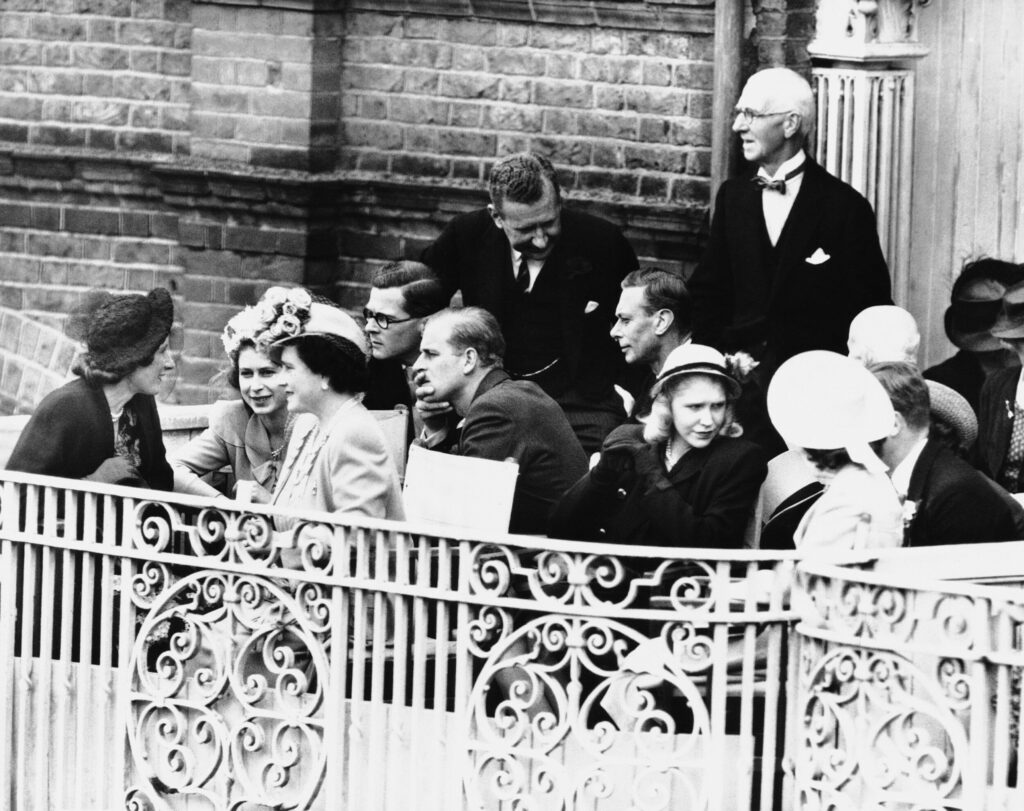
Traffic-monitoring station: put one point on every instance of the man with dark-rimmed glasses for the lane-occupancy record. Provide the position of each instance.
(402, 295)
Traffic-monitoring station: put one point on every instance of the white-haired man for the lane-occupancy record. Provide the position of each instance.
(882, 333)
(793, 253)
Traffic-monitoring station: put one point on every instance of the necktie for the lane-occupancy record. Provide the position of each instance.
(1009, 477)
(523, 276)
(777, 185)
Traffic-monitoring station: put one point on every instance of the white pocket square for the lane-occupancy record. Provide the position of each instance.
(819, 257)
(591, 306)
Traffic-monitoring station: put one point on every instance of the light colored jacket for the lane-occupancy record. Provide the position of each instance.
(234, 437)
(858, 510)
(340, 467)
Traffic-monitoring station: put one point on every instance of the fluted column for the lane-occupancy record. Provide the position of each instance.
(863, 54)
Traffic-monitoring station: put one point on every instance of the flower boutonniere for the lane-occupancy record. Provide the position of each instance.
(909, 513)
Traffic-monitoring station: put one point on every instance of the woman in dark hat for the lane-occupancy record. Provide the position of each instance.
(677, 480)
(974, 306)
(1000, 448)
(104, 426)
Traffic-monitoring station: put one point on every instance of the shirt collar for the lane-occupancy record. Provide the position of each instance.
(902, 472)
(785, 168)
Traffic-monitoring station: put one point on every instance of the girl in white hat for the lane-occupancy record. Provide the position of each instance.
(836, 413)
(678, 480)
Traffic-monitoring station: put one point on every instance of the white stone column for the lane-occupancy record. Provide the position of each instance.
(862, 56)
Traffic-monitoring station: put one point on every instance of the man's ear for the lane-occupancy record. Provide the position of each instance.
(899, 425)
(470, 360)
(791, 125)
(663, 320)
(495, 215)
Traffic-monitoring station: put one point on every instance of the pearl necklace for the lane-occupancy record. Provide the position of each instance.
(668, 453)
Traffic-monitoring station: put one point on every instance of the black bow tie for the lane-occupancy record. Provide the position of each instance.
(777, 185)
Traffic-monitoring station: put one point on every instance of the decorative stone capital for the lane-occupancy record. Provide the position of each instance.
(867, 30)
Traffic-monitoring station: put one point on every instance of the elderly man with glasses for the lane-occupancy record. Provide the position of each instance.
(793, 254)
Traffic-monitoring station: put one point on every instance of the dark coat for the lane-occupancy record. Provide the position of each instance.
(516, 419)
(962, 373)
(742, 300)
(589, 260)
(706, 500)
(956, 503)
(995, 420)
(70, 434)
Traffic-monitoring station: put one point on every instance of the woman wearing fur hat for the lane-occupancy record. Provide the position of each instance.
(104, 426)
(337, 458)
(836, 412)
(250, 434)
(678, 480)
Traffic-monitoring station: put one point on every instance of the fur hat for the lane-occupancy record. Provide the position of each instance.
(121, 331)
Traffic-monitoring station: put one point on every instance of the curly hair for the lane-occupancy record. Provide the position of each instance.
(520, 178)
(658, 425)
(109, 373)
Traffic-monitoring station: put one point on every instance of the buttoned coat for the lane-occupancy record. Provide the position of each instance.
(516, 419)
(705, 500)
(589, 260)
(954, 503)
(70, 434)
(829, 266)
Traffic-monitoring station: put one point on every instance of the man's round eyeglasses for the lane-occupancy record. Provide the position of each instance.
(381, 320)
(749, 115)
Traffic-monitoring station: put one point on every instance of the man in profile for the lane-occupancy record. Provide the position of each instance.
(793, 254)
(550, 275)
(402, 295)
(951, 502)
(653, 317)
(461, 359)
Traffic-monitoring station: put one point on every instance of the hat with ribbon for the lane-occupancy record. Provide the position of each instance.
(696, 359)
(332, 323)
(120, 331)
(825, 401)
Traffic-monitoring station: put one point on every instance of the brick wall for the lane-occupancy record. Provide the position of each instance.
(217, 147)
(103, 74)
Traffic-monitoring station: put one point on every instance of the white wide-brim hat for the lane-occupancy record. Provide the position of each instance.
(824, 400)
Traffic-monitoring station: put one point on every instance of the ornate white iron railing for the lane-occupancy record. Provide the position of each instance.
(165, 652)
(908, 694)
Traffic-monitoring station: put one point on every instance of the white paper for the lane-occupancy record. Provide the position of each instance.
(460, 492)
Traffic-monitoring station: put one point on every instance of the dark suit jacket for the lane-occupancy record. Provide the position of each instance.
(742, 301)
(70, 434)
(515, 418)
(590, 259)
(956, 503)
(995, 423)
(705, 501)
